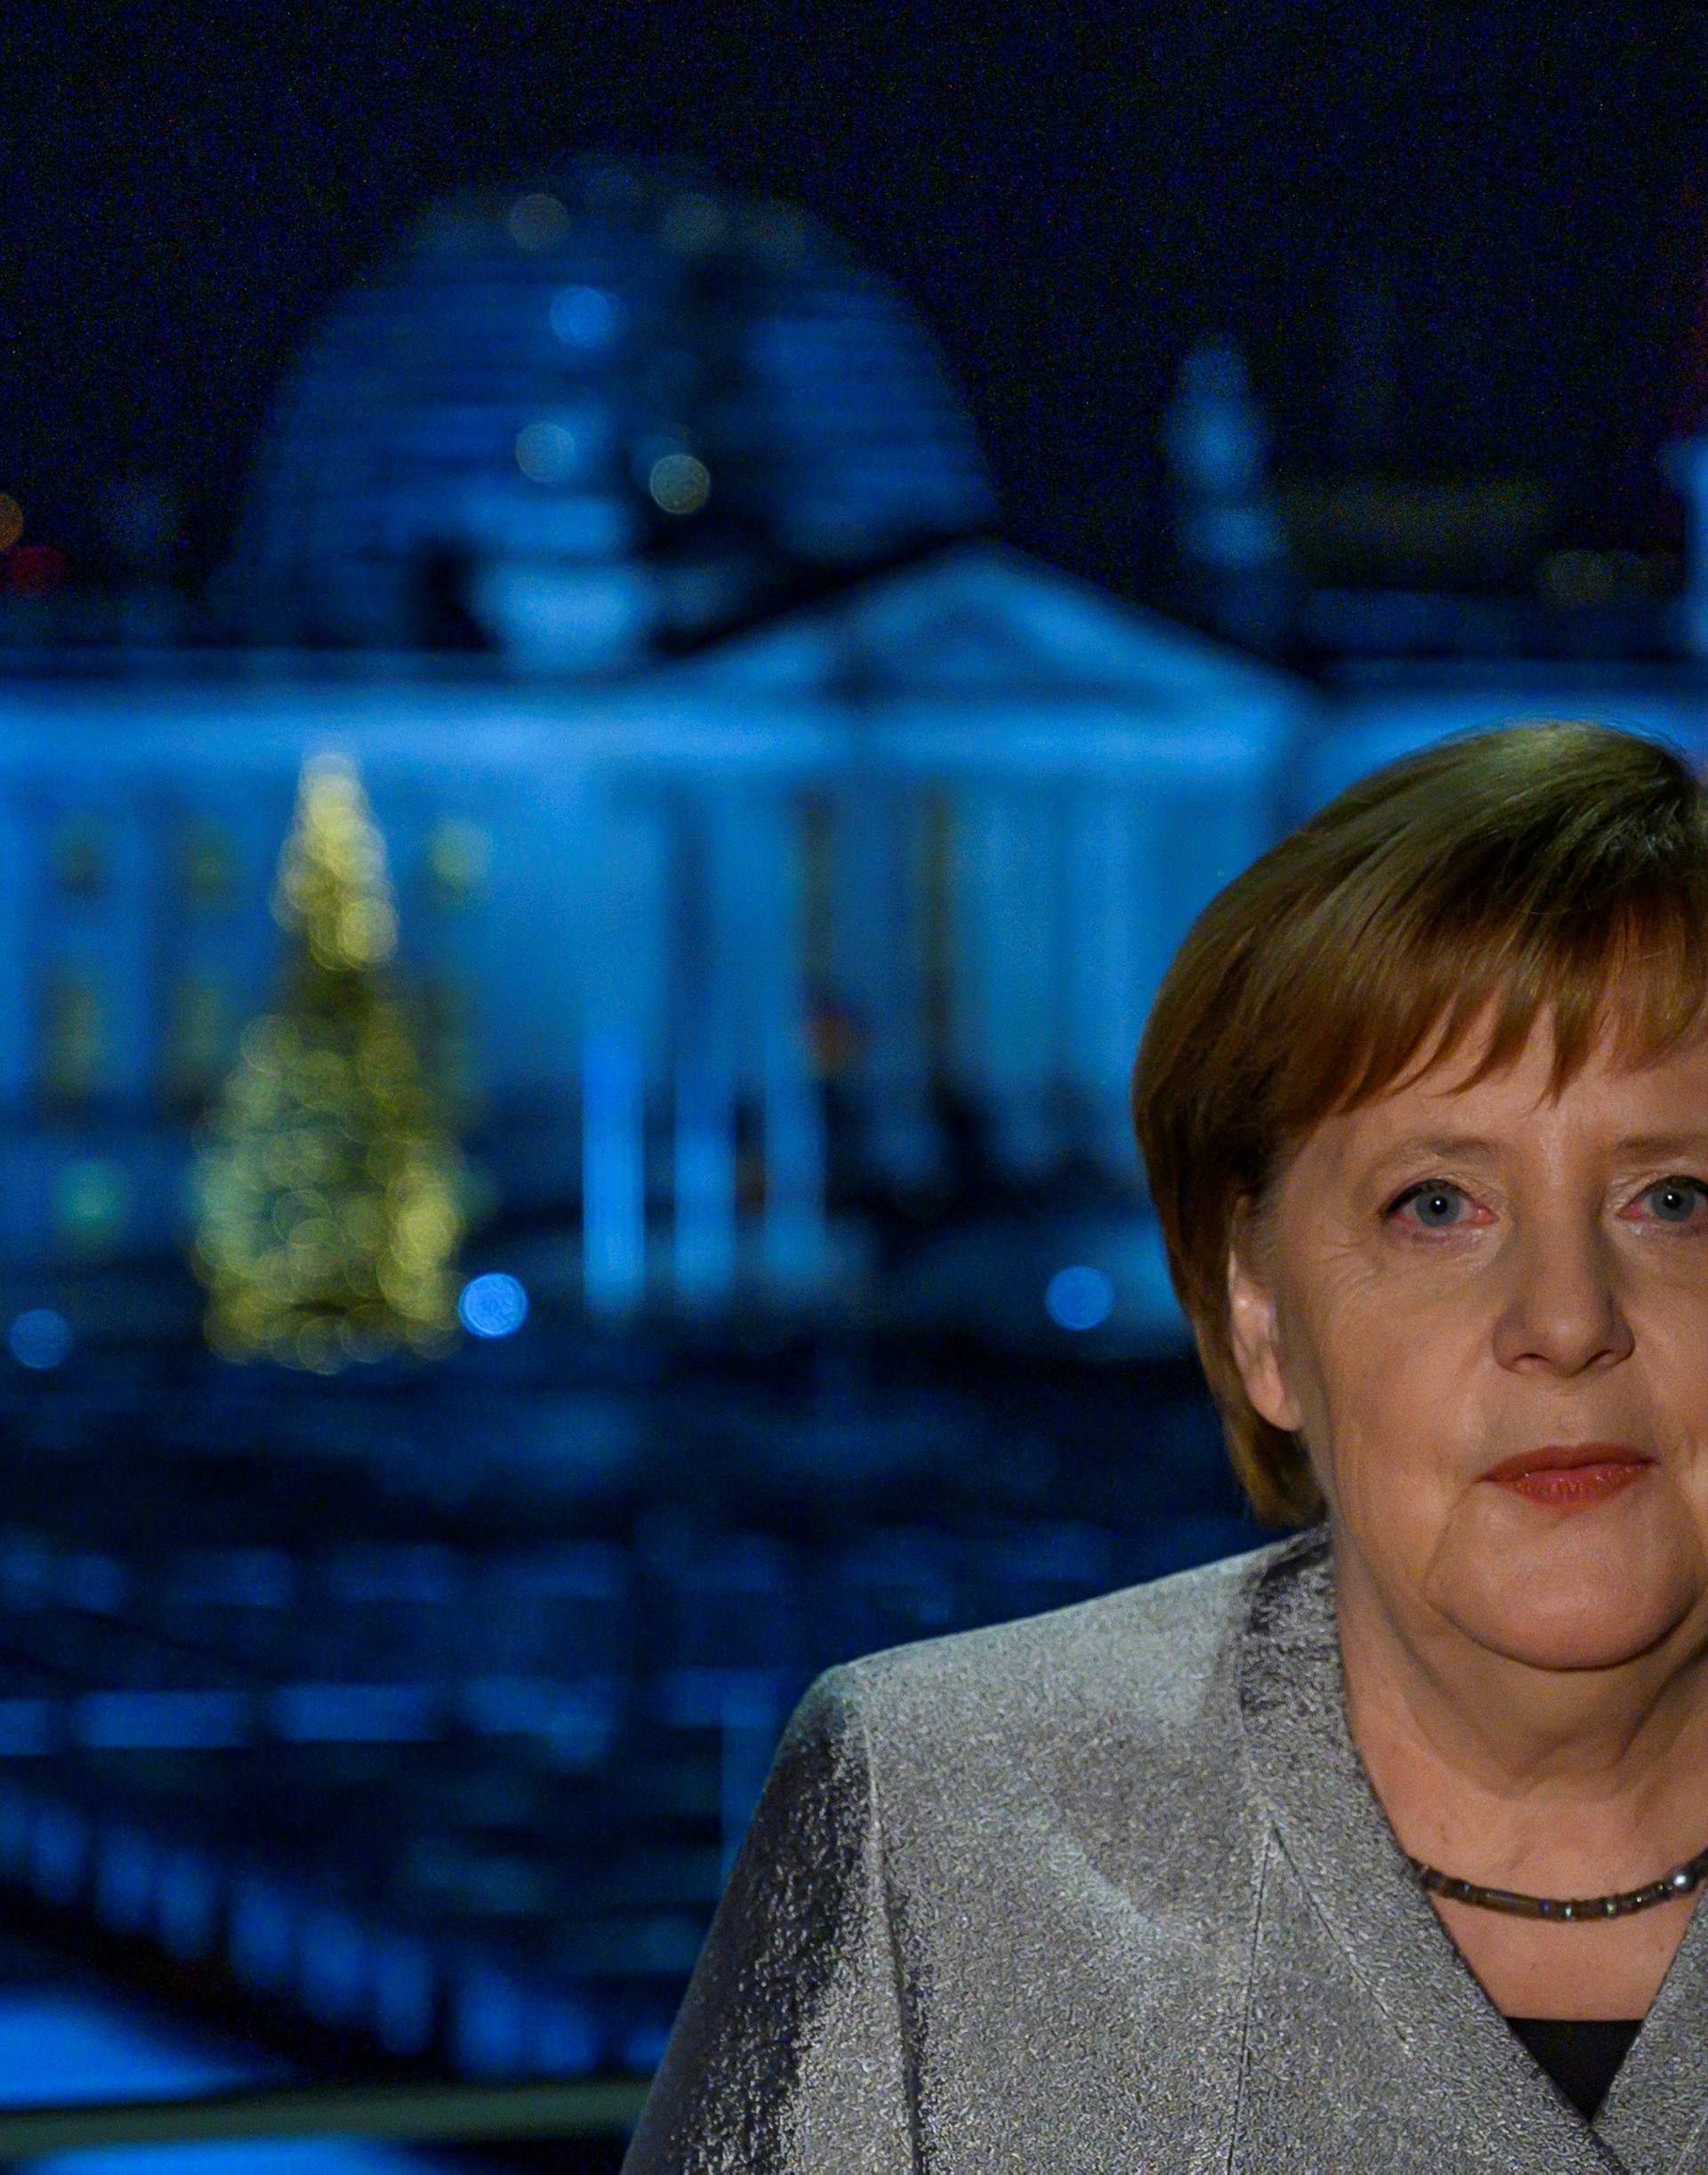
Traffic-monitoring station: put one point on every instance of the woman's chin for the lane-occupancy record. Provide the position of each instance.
(1543, 1643)
(1588, 1591)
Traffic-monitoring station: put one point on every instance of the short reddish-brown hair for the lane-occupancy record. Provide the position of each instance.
(1556, 871)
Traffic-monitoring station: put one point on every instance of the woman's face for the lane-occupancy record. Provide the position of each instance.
(1454, 1275)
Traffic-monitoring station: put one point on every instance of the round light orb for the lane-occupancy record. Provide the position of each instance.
(1079, 1298)
(494, 1305)
(459, 855)
(40, 1338)
(545, 452)
(678, 483)
(537, 222)
(92, 1198)
(586, 316)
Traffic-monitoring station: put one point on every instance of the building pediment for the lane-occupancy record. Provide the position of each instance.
(982, 618)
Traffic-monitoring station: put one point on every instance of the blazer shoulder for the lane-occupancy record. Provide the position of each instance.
(1136, 1660)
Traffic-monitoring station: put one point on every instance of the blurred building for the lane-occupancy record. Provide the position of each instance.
(785, 865)
(710, 960)
(776, 852)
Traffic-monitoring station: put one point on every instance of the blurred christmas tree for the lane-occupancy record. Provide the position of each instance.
(328, 1190)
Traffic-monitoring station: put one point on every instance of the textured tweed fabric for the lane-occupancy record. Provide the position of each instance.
(1107, 1890)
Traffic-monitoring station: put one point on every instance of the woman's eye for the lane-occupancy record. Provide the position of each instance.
(1673, 1199)
(1435, 1201)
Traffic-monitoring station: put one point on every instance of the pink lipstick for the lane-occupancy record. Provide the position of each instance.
(1570, 1476)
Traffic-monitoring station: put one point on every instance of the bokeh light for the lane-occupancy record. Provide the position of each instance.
(537, 222)
(678, 483)
(459, 856)
(545, 452)
(40, 1338)
(586, 316)
(494, 1305)
(1079, 1298)
(331, 880)
(93, 1201)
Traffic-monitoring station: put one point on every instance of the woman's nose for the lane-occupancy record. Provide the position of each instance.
(1561, 1307)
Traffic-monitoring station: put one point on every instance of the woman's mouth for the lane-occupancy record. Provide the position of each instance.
(1571, 1479)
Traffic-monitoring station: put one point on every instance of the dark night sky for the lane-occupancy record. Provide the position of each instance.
(1070, 196)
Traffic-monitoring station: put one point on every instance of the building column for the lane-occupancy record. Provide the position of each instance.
(760, 952)
(1102, 1004)
(703, 1004)
(621, 862)
(879, 968)
(1006, 1019)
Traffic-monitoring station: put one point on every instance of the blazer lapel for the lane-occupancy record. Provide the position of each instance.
(1655, 2112)
(1454, 2081)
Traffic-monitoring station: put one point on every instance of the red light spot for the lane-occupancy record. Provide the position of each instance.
(34, 570)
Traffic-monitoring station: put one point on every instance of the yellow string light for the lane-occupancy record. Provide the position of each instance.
(328, 1192)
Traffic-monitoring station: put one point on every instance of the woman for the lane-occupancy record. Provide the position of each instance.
(1372, 1849)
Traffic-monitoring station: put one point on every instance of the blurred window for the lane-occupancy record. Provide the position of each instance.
(74, 1036)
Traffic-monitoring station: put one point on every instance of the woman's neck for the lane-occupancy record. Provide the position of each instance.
(1490, 1771)
(1554, 1782)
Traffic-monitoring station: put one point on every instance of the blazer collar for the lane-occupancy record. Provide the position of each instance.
(1332, 1829)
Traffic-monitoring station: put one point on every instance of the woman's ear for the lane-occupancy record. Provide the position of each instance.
(1253, 1325)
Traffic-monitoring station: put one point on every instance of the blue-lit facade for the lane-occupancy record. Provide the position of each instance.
(711, 961)
(697, 955)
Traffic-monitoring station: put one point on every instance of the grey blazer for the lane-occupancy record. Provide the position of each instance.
(1108, 1889)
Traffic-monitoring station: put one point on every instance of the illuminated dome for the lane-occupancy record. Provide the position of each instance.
(593, 420)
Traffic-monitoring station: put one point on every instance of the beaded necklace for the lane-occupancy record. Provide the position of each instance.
(1679, 1881)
